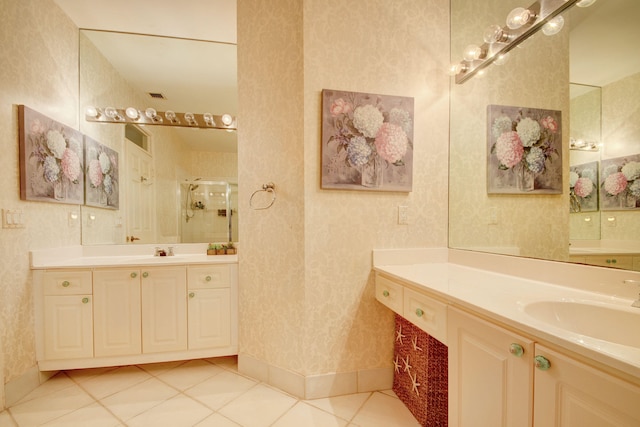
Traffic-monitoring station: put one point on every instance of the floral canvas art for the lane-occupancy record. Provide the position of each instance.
(524, 150)
(102, 188)
(367, 141)
(51, 160)
(583, 187)
(620, 183)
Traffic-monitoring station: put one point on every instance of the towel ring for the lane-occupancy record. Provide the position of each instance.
(268, 188)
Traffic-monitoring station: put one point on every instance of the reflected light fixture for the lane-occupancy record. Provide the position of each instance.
(150, 116)
(554, 26)
(495, 34)
(473, 52)
(585, 3)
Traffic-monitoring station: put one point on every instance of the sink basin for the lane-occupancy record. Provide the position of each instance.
(617, 324)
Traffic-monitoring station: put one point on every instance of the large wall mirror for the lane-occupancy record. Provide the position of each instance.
(590, 72)
(176, 185)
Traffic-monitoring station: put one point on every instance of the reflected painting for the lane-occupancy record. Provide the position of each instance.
(101, 175)
(50, 159)
(583, 190)
(620, 183)
(524, 150)
(367, 141)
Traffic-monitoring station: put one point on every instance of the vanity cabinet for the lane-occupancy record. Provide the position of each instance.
(490, 374)
(67, 315)
(573, 394)
(116, 316)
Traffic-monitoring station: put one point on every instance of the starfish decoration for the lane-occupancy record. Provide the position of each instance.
(407, 367)
(399, 335)
(414, 341)
(414, 383)
(396, 364)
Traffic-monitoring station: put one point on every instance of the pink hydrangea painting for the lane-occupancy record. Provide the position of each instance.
(367, 141)
(620, 183)
(51, 160)
(524, 153)
(102, 175)
(583, 187)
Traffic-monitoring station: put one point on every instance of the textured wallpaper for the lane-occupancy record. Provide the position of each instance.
(307, 299)
(538, 225)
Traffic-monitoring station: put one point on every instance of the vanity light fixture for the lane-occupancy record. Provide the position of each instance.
(522, 23)
(150, 116)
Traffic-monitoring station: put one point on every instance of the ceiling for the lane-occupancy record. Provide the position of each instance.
(184, 50)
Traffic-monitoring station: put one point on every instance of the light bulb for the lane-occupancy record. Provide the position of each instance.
(455, 69)
(585, 3)
(554, 26)
(227, 119)
(92, 112)
(473, 52)
(113, 114)
(519, 17)
(153, 115)
(171, 116)
(190, 118)
(495, 34)
(208, 119)
(132, 113)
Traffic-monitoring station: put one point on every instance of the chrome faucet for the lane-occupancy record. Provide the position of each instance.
(636, 303)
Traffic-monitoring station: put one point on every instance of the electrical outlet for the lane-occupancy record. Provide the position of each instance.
(403, 215)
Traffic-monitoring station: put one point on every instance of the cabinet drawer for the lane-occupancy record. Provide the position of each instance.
(389, 293)
(208, 277)
(67, 282)
(615, 261)
(426, 313)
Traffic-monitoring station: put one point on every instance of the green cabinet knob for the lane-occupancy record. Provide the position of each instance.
(85, 300)
(192, 294)
(208, 278)
(134, 275)
(542, 363)
(385, 293)
(516, 350)
(65, 284)
(419, 312)
(145, 274)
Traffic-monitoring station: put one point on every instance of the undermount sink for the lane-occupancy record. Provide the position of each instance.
(616, 324)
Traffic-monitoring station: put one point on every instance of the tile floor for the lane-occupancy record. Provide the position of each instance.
(206, 392)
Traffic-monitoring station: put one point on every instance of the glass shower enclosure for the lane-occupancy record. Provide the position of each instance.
(208, 211)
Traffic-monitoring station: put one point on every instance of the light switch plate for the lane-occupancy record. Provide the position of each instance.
(403, 215)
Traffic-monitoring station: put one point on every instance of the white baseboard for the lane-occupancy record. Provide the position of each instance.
(316, 386)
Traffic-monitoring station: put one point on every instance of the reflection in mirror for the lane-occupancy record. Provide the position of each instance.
(537, 75)
(123, 70)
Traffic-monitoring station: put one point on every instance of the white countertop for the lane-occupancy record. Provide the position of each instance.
(503, 298)
(123, 256)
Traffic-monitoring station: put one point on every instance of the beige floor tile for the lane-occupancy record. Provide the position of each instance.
(303, 414)
(179, 411)
(38, 411)
(58, 382)
(220, 389)
(227, 362)
(139, 398)
(382, 410)
(344, 407)
(161, 367)
(94, 415)
(217, 420)
(81, 375)
(101, 386)
(258, 407)
(189, 374)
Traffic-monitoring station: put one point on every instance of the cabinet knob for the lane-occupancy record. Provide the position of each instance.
(419, 312)
(192, 294)
(542, 363)
(85, 300)
(208, 278)
(145, 274)
(65, 284)
(385, 293)
(516, 349)
(134, 275)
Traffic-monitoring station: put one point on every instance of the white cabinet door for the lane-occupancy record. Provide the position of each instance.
(209, 318)
(572, 394)
(164, 309)
(116, 312)
(490, 374)
(68, 327)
